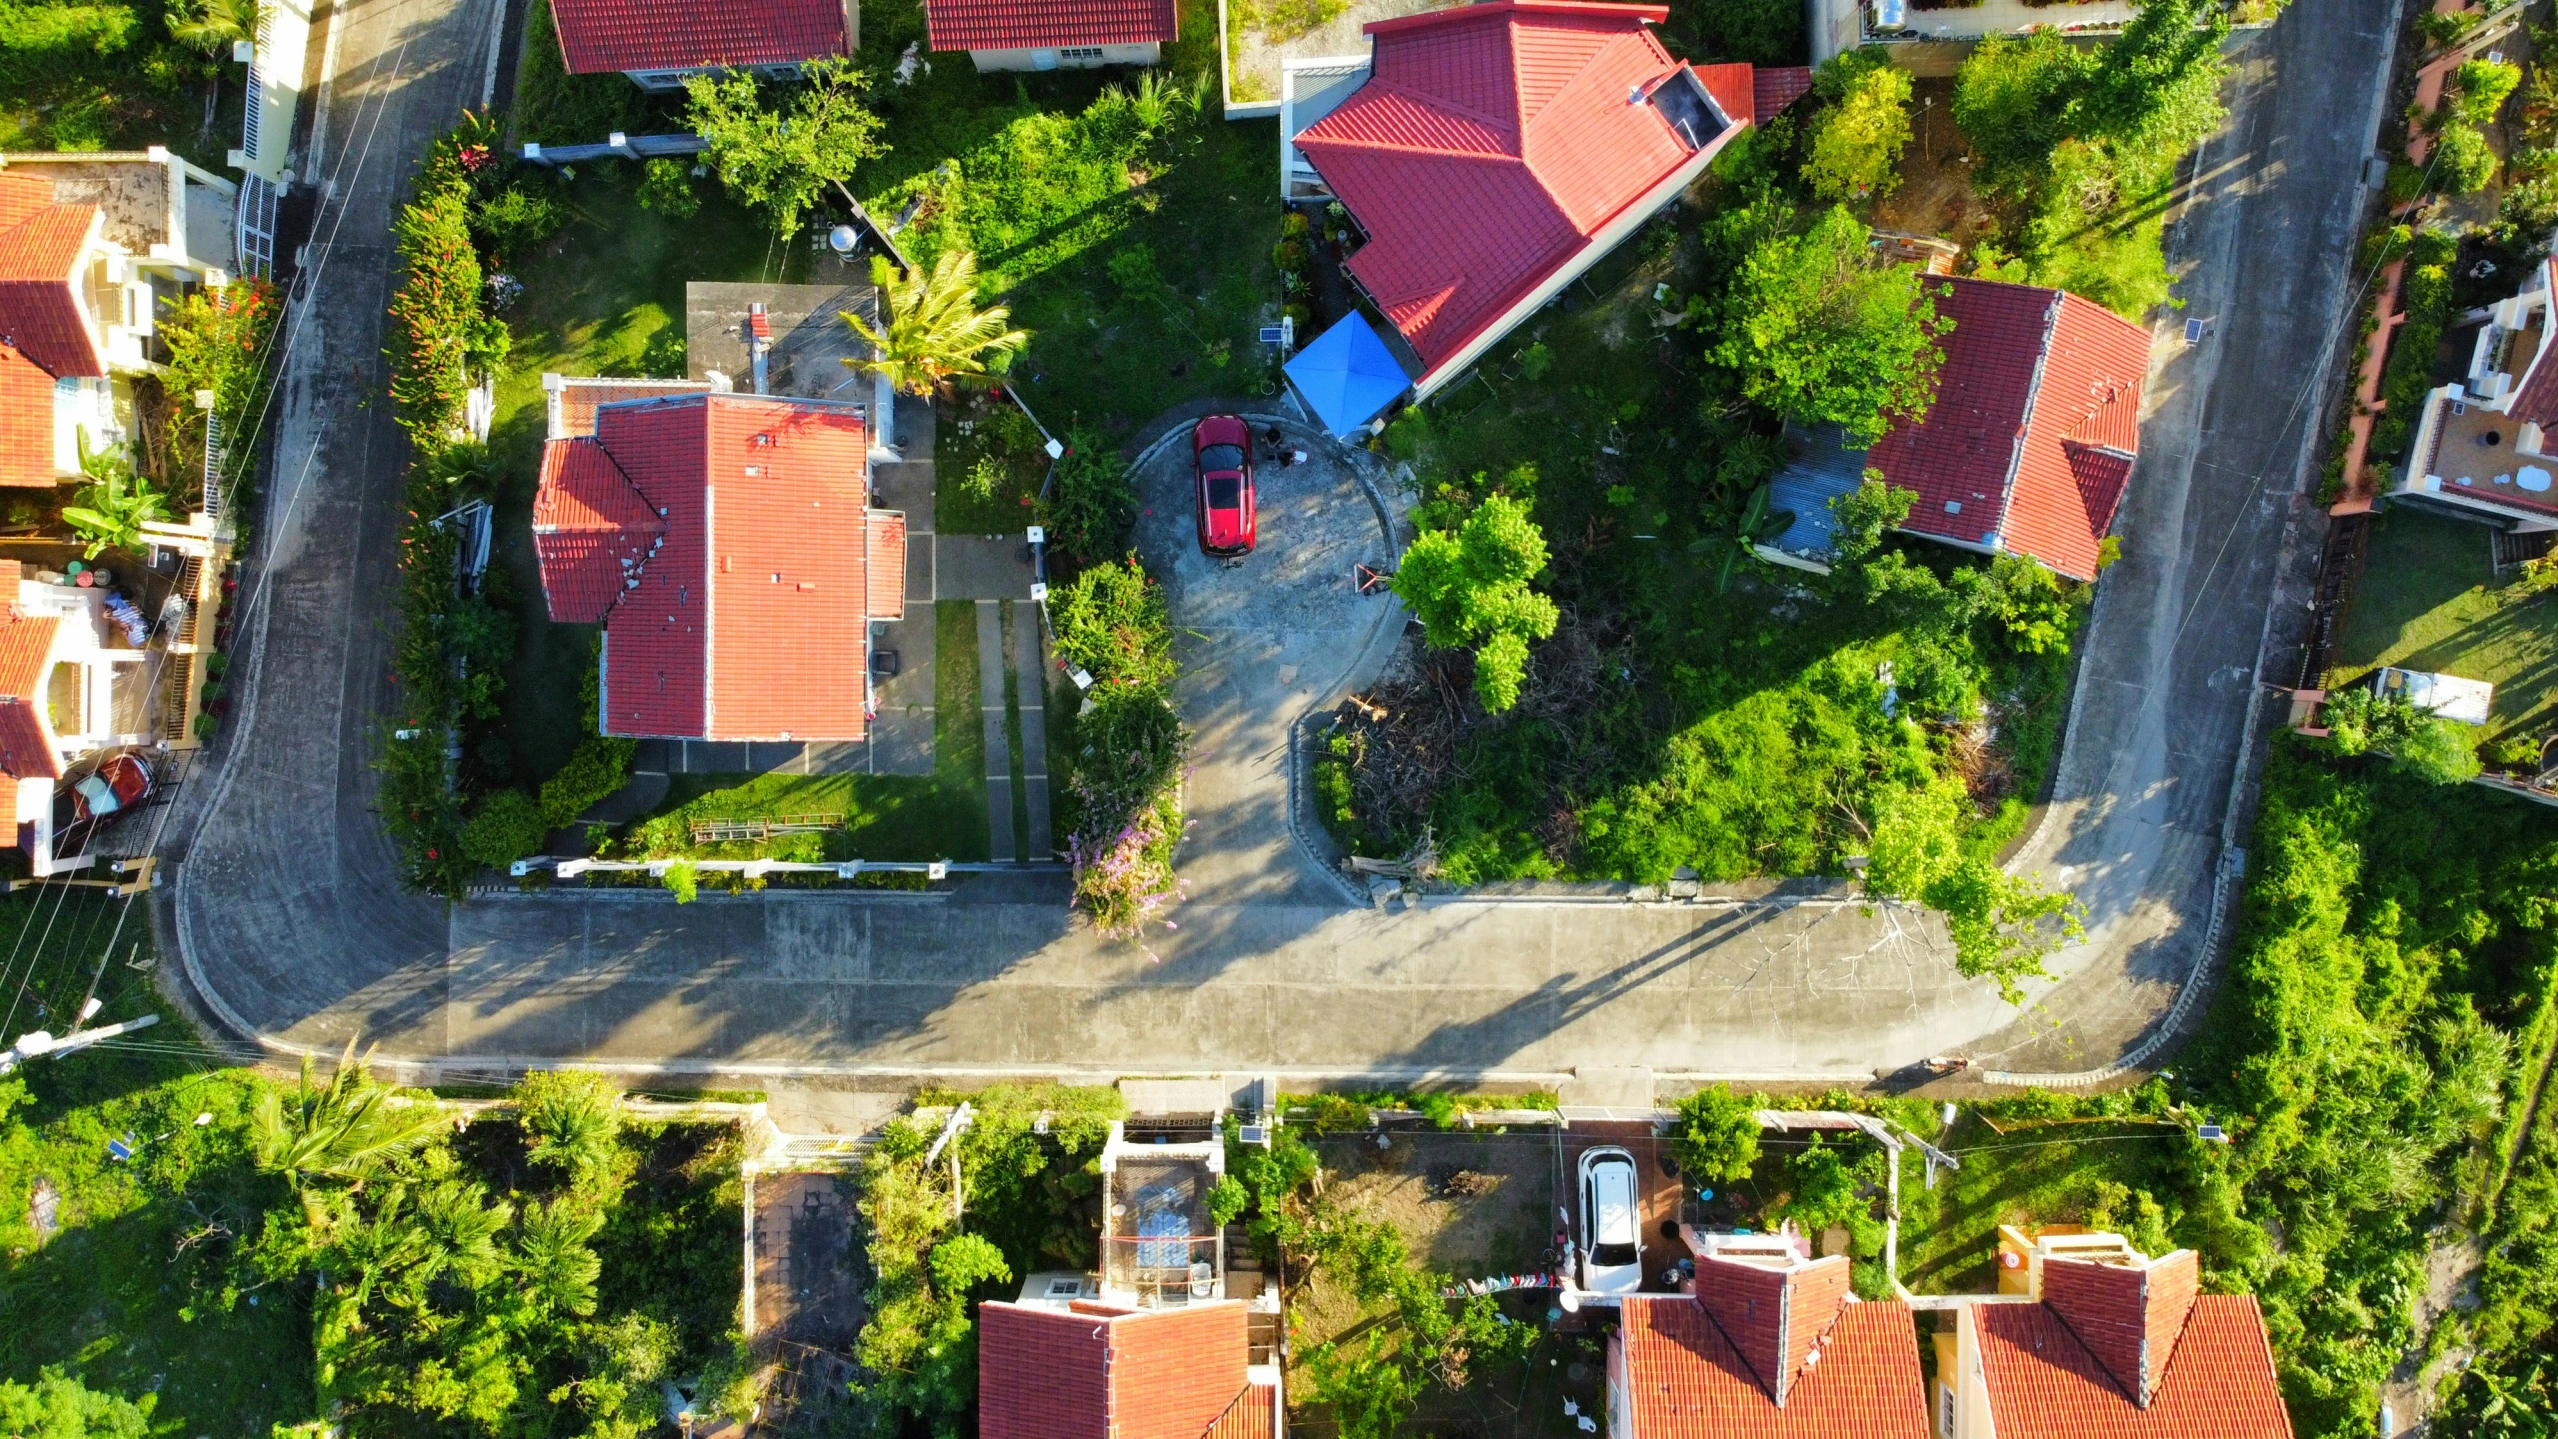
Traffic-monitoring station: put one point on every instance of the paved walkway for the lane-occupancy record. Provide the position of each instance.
(289, 916)
(1031, 675)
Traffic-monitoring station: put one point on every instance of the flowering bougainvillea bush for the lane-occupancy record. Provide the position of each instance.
(1124, 750)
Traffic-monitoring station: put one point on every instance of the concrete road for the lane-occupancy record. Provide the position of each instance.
(292, 929)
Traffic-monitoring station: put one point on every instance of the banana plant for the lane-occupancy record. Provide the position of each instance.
(112, 508)
(1731, 532)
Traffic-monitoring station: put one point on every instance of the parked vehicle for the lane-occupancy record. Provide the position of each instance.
(1611, 1259)
(1221, 456)
(122, 782)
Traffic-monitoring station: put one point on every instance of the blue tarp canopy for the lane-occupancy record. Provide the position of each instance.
(1347, 376)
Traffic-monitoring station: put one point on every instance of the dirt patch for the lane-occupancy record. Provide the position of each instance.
(1935, 196)
(1466, 1205)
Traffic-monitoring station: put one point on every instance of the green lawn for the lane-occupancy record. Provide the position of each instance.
(1057, 198)
(959, 736)
(2051, 1173)
(111, 1296)
(2429, 600)
(605, 296)
(886, 817)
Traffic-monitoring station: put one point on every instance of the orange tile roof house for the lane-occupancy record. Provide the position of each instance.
(72, 690)
(2091, 1339)
(728, 546)
(89, 246)
(1054, 34)
(1081, 1369)
(657, 43)
(1494, 151)
(1770, 1345)
(2028, 448)
(2483, 449)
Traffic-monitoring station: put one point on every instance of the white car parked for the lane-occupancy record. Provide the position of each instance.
(1610, 1248)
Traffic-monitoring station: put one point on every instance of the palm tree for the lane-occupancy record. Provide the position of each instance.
(570, 1118)
(212, 26)
(115, 504)
(347, 1129)
(935, 334)
(554, 1266)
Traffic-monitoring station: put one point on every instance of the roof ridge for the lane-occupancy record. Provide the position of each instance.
(1211, 1426)
(1581, 79)
(2025, 421)
(1731, 1343)
(2093, 1361)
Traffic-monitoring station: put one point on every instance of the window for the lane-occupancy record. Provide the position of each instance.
(1065, 1288)
(1945, 1410)
(1080, 52)
(1225, 492)
(1221, 457)
(1613, 1256)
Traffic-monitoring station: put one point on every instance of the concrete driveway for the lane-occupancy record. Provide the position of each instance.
(1265, 638)
(292, 927)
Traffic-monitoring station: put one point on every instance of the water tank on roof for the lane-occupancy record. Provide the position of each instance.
(1890, 14)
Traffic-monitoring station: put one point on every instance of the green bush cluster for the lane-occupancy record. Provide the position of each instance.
(1090, 503)
(1122, 791)
(2424, 299)
(220, 340)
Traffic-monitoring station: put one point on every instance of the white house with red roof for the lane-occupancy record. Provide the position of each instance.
(2089, 1338)
(658, 43)
(2027, 449)
(1769, 1343)
(1493, 152)
(2483, 449)
(728, 545)
(1053, 34)
(89, 245)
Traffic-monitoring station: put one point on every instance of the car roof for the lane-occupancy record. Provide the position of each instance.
(1612, 1196)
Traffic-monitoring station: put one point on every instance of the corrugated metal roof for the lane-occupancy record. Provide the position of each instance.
(1049, 24)
(599, 37)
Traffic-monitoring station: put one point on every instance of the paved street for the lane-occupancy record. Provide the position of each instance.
(292, 925)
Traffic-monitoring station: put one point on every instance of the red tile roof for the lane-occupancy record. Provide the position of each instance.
(1686, 1380)
(2128, 1316)
(2044, 1383)
(1772, 1317)
(41, 316)
(27, 747)
(749, 523)
(601, 36)
(1163, 1374)
(2030, 442)
(1751, 93)
(1046, 24)
(591, 531)
(1489, 144)
(26, 422)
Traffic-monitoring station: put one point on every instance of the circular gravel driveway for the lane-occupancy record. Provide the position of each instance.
(1263, 639)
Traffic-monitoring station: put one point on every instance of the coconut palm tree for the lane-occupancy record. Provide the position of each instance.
(345, 1129)
(934, 333)
(570, 1118)
(111, 509)
(213, 26)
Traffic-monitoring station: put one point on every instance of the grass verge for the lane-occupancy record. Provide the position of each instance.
(2429, 600)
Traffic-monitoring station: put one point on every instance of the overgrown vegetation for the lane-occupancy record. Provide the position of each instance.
(1120, 805)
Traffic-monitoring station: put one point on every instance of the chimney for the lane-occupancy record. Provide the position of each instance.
(759, 342)
(2129, 1314)
(1774, 1312)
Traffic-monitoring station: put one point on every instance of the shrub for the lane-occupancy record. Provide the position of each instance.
(2463, 163)
(516, 219)
(1091, 503)
(666, 187)
(508, 827)
(599, 766)
(1469, 588)
(1858, 138)
(1111, 622)
(2429, 747)
(1716, 1136)
(2479, 88)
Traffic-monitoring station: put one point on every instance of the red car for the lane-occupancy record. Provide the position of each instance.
(1221, 453)
(122, 782)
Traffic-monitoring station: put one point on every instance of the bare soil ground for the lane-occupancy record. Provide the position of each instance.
(1467, 1205)
(1935, 195)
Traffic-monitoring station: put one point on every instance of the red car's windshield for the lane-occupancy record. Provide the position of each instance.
(1225, 492)
(1220, 457)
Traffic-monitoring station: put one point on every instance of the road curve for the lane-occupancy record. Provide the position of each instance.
(293, 931)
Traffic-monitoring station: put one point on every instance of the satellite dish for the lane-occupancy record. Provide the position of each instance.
(841, 239)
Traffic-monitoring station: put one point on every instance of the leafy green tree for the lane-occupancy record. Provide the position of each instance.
(2479, 87)
(1716, 1138)
(2463, 162)
(783, 159)
(1469, 588)
(572, 1119)
(1090, 502)
(2003, 926)
(2012, 97)
(1111, 622)
(1816, 331)
(112, 508)
(57, 1406)
(1762, 32)
(1732, 535)
(2434, 749)
(935, 334)
(1823, 1188)
(2154, 91)
(349, 1128)
(1858, 137)
(1861, 519)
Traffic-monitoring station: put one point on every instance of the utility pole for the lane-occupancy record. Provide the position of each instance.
(961, 1118)
(36, 1042)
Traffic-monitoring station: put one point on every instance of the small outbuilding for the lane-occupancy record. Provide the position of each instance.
(1053, 34)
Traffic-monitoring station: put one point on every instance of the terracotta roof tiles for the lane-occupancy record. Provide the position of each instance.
(1685, 1380)
(601, 36)
(1159, 1374)
(591, 531)
(26, 422)
(41, 314)
(1049, 24)
(2219, 1382)
(2029, 444)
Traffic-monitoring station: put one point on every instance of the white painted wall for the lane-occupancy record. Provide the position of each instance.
(1084, 57)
